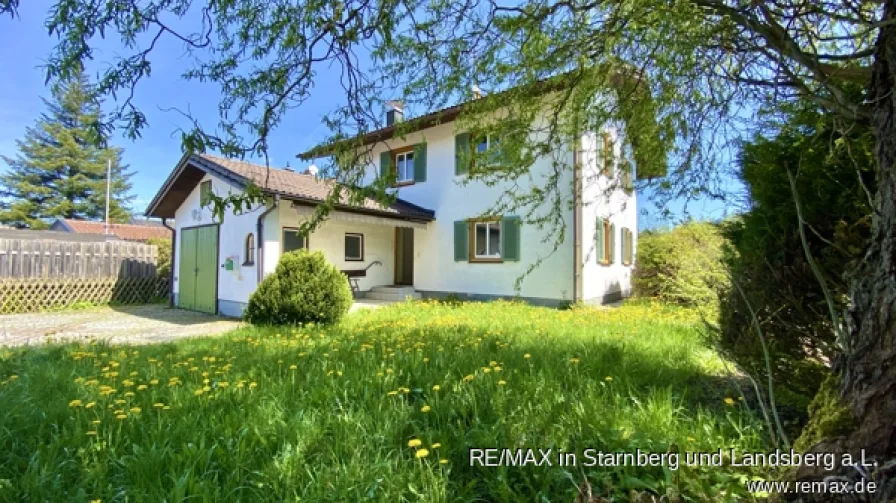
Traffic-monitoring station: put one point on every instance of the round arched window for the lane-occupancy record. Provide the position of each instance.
(250, 250)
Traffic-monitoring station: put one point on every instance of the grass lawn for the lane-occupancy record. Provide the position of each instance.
(335, 413)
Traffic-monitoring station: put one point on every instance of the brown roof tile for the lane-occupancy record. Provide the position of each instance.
(128, 232)
(303, 186)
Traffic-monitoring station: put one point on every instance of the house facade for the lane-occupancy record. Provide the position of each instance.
(432, 242)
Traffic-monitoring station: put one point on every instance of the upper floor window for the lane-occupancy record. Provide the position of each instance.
(404, 166)
(609, 154)
(205, 190)
(250, 250)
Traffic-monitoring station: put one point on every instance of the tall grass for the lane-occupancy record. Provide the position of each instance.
(334, 413)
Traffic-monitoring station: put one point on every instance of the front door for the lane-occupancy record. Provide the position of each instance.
(404, 256)
(197, 282)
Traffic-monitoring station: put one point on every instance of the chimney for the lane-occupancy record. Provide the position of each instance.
(394, 112)
(287, 168)
(477, 93)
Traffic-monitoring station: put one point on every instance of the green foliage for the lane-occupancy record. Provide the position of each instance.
(279, 413)
(682, 266)
(834, 178)
(304, 288)
(830, 417)
(163, 263)
(60, 171)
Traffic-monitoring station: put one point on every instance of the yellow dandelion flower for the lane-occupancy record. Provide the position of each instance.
(158, 405)
(293, 367)
(415, 442)
(135, 410)
(142, 387)
(469, 378)
(486, 370)
(121, 416)
(574, 360)
(74, 403)
(153, 381)
(436, 387)
(436, 445)
(527, 356)
(223, 384)
(392, 393)
(253, 385)
(89, 405)
(608, 378)
(197, 392)
(91, 433)
(729, 400)
(425, 408)
(96, 421)
(443, 461)
(422, 453)
(497, 368)
(502, 382)
(129, 393)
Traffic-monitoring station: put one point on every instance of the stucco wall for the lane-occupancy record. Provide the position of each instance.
(434, 267)
(234, 287)
(601, 198)
(329, 238)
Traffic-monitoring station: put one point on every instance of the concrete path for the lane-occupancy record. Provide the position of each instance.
(132, 324)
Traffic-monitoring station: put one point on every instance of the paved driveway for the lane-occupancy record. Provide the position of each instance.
(133, 324)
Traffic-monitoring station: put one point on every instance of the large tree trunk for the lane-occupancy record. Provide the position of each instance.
(868, 364)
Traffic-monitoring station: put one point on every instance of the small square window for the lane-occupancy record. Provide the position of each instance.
(354, 247)
(293, 240)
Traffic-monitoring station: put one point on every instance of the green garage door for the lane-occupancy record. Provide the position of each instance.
(198, 271)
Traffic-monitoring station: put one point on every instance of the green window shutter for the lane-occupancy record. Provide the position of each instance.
(599, 240)
(420, 162)
(205, 189)
(461, 241)
(612, 243)
(462, 154)
(386, 164)
(510, 239)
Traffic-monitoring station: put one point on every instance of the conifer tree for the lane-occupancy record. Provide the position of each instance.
(60, 168)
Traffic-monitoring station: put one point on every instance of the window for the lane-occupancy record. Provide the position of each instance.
(627, 169)
(205, 190)
(608, 155)
(250, 250)
(354, 247)
(404, 166)
(486, 240)
(605, 242)
(292, 240)
(628, 248)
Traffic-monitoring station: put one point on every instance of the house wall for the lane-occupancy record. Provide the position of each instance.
(234, 287)
(605, 199)
(329, 238)
(435, 271)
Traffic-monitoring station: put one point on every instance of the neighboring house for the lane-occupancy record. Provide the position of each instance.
(143, 231)
(430, 242)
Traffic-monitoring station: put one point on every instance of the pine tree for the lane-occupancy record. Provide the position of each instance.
(60, 169)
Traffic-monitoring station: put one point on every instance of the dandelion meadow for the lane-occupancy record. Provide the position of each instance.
(384, 406)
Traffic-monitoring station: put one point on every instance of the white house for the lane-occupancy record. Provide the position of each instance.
(432, 242)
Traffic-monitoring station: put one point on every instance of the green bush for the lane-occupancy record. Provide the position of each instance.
(304, 288)
(163, 262)
(682, 266)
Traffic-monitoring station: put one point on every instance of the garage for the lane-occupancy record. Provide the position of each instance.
(198, 271)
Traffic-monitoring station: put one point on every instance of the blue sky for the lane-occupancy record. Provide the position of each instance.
(26, 45)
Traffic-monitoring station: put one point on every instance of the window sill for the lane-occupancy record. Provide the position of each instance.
(248, 264)
(486, 260)
(346, 259)
(403, 184)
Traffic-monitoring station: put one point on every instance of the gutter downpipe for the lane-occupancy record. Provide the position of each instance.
(259, 234)
(575, 221)
(171, 266)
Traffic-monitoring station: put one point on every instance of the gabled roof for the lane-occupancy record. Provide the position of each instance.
(128, 232)
(300, 187)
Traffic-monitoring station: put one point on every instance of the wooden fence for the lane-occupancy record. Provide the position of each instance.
(42, 258)
(39, 294)
(44, 274)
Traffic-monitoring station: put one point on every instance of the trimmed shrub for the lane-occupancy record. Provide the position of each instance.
(682, 266)
(163, 263)
(304, 288)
